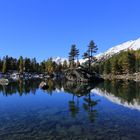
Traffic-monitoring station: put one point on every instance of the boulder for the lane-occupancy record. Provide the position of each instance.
(81, 75)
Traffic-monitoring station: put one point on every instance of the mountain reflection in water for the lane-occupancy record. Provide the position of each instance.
(125, 93)
(70, 110)
(77, 90)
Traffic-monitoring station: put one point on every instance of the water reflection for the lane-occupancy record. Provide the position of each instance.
(68, 110)
(125, 93)
(20, 87)
(77, 90)
(126, 90)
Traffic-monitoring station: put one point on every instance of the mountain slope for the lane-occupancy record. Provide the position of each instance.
(132, 45)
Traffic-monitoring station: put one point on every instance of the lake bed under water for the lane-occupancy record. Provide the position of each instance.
(70, 111)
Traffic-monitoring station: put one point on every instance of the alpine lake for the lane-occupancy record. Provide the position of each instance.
(70, 111)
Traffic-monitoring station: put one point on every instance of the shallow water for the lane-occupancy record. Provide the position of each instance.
(70, 111)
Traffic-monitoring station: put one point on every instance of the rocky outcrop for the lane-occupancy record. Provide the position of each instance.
(81, 75)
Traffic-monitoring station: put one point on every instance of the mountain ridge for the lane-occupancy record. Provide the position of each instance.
(129, 45)
(132, 45)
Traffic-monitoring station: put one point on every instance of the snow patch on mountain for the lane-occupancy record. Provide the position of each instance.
(129, 45)
(59, 60)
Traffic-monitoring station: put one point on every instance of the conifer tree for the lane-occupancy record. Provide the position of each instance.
(65, 65)
(50, 66)
(4, 67)
(137, 61)
(73, 54)
(128, 63)
(107, 67)
(114, 66)
(92, 48)
(21, 64)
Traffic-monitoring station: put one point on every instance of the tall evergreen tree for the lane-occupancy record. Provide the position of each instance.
(73, 54)
(1, 64)
(50, 66)
(107, 67)
(128, 63)
(27, 64)
(42, 66)
(92, 48)
(21, 64)
(65, 65)
(114, 66)
(4, 67)
(137, 61)
(33, 62)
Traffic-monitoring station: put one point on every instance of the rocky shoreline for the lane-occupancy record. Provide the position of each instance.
(134, 77)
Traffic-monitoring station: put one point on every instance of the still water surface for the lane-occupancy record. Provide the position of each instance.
(70, 111)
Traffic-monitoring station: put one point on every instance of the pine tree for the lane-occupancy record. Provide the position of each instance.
(92, 48)
(4, 67)
(101, 68)
(27, 64)
(65, 65)
(114, 66)
(21, 64)
(58, 67)
(107, 67)
(50, 66)
(42, 66)
(33, 63)
(137, 61)
(1, 64)
(74, 53)
(128, 63)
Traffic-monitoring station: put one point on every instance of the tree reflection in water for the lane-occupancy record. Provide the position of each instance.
(72, 113)
(77, 90)
(88, 105)
(20, 87)
(126, 91)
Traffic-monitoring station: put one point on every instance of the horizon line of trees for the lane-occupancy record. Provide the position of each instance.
(126, 62)
(21, 65)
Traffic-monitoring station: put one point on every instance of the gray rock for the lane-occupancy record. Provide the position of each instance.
(81, 75)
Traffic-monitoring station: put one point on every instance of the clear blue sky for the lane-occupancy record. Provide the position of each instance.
(44, 28)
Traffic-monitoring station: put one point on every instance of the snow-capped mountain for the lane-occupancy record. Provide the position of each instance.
(131, 45)
(59, 60)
